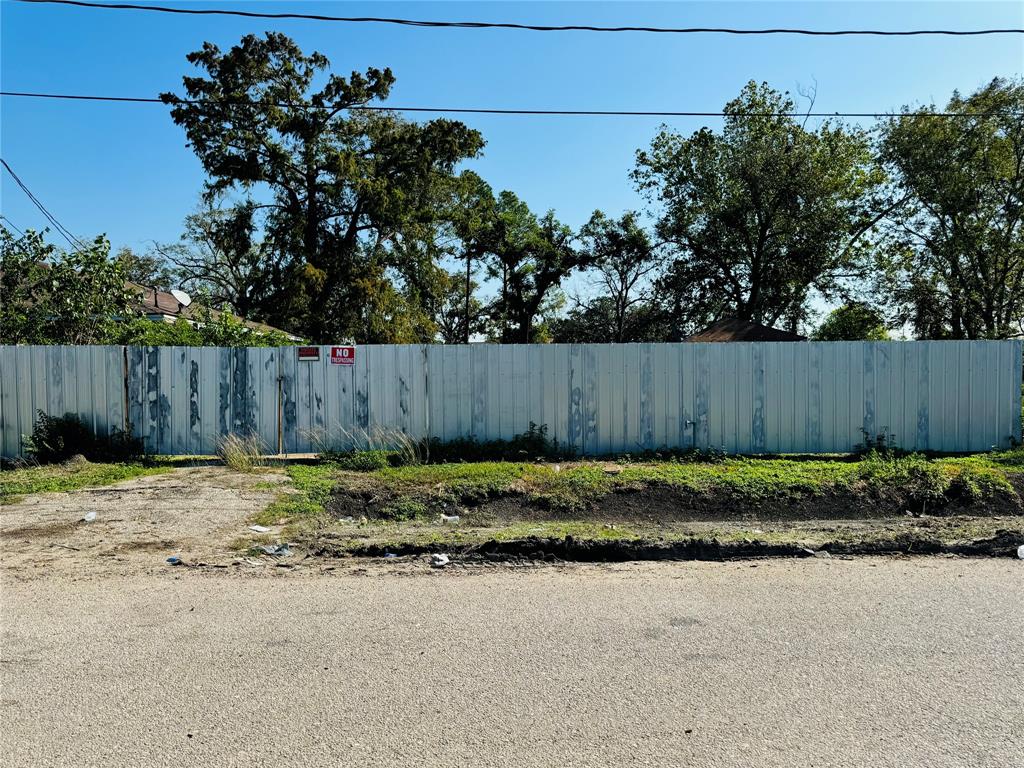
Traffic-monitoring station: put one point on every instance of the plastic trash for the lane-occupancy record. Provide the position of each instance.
(348, 519)
(450, 518)
(390, 555)
(439, 560)
(276, 550)
(174, 560)
(259, 528)
(1020, 551)
(89, 517)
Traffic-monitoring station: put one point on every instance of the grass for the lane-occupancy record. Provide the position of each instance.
(242, 454)
(307, 498)
(574, 486)
(71, 476)
(411, 498)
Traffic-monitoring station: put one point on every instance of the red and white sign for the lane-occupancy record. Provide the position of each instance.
(343, 355)
(309, 354)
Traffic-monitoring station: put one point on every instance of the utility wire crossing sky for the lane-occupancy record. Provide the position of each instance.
(487, 111)
(526, 27)
(563, 93)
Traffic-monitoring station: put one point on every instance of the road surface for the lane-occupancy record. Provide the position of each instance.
(866, 662)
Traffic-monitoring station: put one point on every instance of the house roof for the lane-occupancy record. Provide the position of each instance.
(742, 330)
(155, 302)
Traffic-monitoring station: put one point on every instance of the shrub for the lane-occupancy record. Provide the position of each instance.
(242, 453)
(56, 439)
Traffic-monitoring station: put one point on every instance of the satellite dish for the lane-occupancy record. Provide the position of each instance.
(183, 298)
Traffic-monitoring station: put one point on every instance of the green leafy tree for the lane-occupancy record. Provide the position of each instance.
(761, 214)
(344, 184)
(624, 260)
(956, 266)
(528, 257)
(852, 322)
(52, 296)
(471, 222)
(450, 311)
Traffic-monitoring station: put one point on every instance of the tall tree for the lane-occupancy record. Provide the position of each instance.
(529, 257)
(472, 218)
(343, 183)
(957, 266)
(761, 214)
(625, 261)
(454, 324)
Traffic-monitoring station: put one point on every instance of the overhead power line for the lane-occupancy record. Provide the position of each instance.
(490, 111)
(529, 27)
(73, 241)
(12, 225)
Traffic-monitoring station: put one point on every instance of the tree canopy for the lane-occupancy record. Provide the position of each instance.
(338, 223)
(52, 296)
(343, 185)
(852, 322)
(956, 269)
(761, 214)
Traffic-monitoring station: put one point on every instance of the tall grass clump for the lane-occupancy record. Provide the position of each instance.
(367, 449)
(242, 453)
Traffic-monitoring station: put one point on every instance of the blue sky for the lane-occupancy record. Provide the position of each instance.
(125, 171)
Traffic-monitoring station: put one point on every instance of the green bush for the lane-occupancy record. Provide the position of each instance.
(56, 439)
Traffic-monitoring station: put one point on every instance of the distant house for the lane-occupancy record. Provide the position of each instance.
(163, 307)
(742, 330)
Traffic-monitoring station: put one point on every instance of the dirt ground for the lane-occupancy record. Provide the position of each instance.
(202, 516)
(195, 513)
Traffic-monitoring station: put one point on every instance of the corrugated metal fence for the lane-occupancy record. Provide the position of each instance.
(597, 398)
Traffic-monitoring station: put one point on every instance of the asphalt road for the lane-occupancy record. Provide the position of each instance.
(869, 662)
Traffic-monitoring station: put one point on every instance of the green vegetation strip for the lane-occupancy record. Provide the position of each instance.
(70, 477)
(409, 492)
(573, 486)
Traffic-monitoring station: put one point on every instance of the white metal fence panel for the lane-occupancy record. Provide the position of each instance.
(595, 398)
(85, 381)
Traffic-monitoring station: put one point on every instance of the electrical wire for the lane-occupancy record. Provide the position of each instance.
(527, 27)
(12, 225)
(489, 111)
(73, 241)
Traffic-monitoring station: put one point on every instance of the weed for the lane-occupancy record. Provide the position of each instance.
(365, 449)
(242, 453)
(266, 485)
(311, 488)
(403, 509)
(362, 461)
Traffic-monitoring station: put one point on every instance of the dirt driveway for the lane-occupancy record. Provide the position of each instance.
(193, 512)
